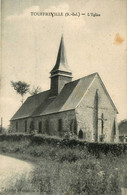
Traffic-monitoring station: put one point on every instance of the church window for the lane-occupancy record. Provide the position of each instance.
(95, 116)
(40, 127)
(60, 126)
(114, 128)
(25, 126)
(16, 125)
(113, 131)
(32, 125)
(102, 124)
(96, 102)
(80, 134)
(47, 127)
(71, 126)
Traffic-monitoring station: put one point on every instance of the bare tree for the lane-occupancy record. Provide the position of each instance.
(35, 90)
(21, 88)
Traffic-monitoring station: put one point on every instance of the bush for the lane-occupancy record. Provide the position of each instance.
(78, 178)
(70, 166)
(94, 148)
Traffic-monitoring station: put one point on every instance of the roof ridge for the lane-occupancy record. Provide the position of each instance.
(89, 75)
(106, 91)
(39, 93)
(82, 78)
(87, 87)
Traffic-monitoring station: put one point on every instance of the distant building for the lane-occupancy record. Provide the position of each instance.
(82, 107)
(123, 131)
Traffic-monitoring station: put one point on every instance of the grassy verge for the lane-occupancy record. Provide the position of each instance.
(68, 171)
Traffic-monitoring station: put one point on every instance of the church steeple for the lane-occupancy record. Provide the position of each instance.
(61, 62)
(61, 73)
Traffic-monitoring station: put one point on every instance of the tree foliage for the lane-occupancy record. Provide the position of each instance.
(21, 88)
(35, 90)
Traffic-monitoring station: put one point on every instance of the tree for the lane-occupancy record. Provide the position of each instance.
(35, 90)
(21, 88)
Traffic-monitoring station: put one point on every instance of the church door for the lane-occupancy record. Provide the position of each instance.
(80, 134)
(95, 116)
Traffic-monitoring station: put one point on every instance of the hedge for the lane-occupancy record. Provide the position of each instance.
(92, 147)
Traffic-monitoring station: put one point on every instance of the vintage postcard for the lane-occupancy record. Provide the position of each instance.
(63, 97)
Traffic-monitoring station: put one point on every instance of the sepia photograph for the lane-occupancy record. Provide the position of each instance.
(63, 97)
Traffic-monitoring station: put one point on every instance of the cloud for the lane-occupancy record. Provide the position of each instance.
(64, 21)
(24, 15)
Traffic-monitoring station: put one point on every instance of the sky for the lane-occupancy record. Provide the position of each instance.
(93, 44)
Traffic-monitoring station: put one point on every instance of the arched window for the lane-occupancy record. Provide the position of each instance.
(113, 131)
(40, 127)
(25, 126)
(95, 116)
(32, 126)
(16, 125)
(73, 126)
(114, 128)
(80, 134)
(47, 127)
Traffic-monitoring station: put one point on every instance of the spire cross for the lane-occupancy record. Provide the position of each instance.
(102, 122)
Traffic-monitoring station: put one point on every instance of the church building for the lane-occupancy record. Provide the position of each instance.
(81, 108)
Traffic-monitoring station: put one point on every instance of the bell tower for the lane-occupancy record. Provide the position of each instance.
(61, 73)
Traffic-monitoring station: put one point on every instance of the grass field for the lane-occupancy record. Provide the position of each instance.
(68, 171)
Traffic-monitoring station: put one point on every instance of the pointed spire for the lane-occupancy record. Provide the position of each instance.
(61, 62)
(61, 73)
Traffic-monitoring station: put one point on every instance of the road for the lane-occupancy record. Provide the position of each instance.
(11, 169)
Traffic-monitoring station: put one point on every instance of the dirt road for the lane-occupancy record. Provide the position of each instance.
(11, 169)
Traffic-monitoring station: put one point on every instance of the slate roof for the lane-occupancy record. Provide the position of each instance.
(70, 96)
(29, 106)
(61, 62)
(68, 99)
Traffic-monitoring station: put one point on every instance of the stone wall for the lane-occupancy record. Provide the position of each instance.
(19, 125)
(54, 124)
(85, 114)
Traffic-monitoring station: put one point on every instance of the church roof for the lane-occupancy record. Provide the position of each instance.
(68, 99)
(29, 106)
(70, 96)
(61, 62)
